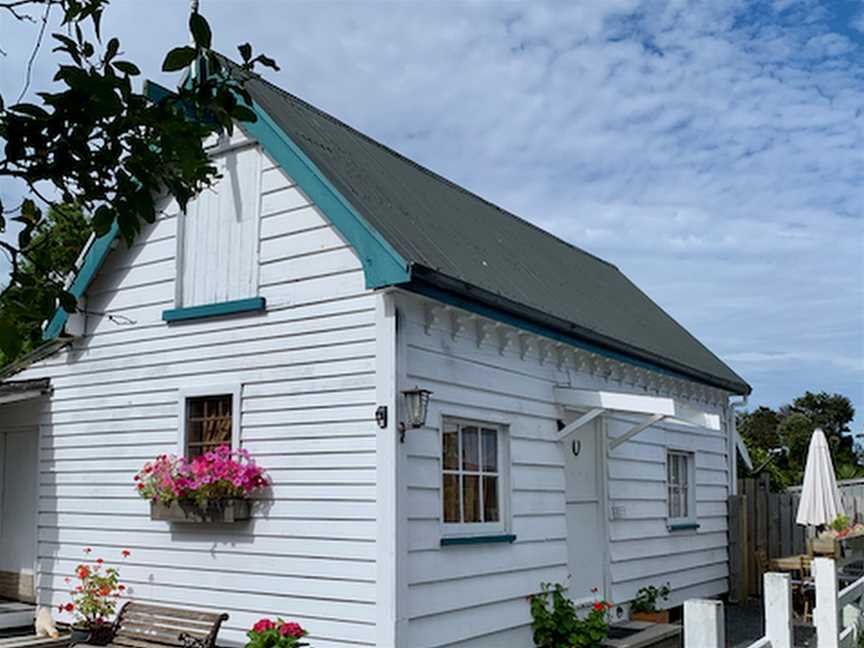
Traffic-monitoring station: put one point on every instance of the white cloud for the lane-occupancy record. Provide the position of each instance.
(715, 158)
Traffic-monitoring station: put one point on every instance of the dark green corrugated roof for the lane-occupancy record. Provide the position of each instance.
(456, 241)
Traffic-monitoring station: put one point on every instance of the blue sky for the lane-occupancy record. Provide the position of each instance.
(714, 151)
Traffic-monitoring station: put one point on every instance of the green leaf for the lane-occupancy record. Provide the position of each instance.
(68, 301)
(245, 51)
(244, 114)
(200, 31)
(179, 58)
(266, 61)
(112, 49)
(30, 213)
(103, 219)
(127, 68)
(31, 110)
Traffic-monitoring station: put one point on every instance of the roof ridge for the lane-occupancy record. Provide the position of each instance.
(425, 169)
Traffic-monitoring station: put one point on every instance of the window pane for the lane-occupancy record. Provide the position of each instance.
(450, 449)
(471, 497)
(451, 498)
(470, 449)
(491, 512)
(674, 503)
(490, 450)
(208, 423)
(683, 470)
(685, 505)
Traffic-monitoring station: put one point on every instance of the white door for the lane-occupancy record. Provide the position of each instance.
(585, 524)
(18, 452)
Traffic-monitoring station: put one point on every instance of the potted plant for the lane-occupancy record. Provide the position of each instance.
(267, 633)
(213, 487)
(644, 606)
(557, 622)
(94, 601)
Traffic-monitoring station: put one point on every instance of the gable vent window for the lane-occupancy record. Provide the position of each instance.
(219, 233)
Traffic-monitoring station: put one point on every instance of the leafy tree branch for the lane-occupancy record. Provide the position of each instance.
(100, 144)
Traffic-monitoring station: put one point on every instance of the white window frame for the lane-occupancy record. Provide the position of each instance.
(470, 529)
(690, 464)
(184, 394)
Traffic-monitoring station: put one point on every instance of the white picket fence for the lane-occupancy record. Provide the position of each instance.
(837, 615)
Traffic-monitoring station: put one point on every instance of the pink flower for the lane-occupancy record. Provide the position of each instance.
(292, 630)
(263, 625)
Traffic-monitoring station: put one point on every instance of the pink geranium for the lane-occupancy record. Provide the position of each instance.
(220, 474)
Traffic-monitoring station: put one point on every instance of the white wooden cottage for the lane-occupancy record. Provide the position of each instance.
(575, 432)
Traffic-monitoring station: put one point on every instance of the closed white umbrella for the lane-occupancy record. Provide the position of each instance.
(820, 500)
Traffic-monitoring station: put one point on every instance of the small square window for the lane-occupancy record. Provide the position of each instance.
(209, 423)
(472, 479)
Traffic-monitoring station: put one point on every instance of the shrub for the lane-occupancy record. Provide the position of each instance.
(561, 626)
(646, 598)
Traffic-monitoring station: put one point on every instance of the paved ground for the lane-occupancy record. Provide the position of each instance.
(744, 625)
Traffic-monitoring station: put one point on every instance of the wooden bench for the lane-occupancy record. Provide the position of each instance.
(139, 625)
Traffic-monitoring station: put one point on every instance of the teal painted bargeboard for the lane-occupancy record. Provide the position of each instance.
(99, 249)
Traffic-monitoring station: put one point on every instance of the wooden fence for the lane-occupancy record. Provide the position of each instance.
(762, 527)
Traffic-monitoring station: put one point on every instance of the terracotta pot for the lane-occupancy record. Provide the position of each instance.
(661, 616)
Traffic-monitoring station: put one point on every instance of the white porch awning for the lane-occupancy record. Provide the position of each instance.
(13, 391)
(592, 403)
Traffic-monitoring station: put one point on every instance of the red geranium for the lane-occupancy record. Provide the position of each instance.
(267, 633)
(263, 625)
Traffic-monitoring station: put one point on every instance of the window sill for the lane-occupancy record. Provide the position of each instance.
(235, 307)
(683, 526)
(507, 538)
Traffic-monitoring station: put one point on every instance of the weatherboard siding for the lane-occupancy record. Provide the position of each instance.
(476, 595)
(307, 371)
(642, 549)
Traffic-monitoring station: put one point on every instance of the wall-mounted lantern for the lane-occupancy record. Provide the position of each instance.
(416, 408)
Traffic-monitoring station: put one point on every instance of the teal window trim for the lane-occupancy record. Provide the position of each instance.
(684, 526)
(93, 258)
(237, 306)
(502, 538)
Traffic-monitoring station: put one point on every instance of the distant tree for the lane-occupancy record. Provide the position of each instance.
(56, 243)
(795, 431)
(831, 412)
(791, 426)
(760, 427)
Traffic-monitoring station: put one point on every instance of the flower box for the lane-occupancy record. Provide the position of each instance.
(234, 510)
